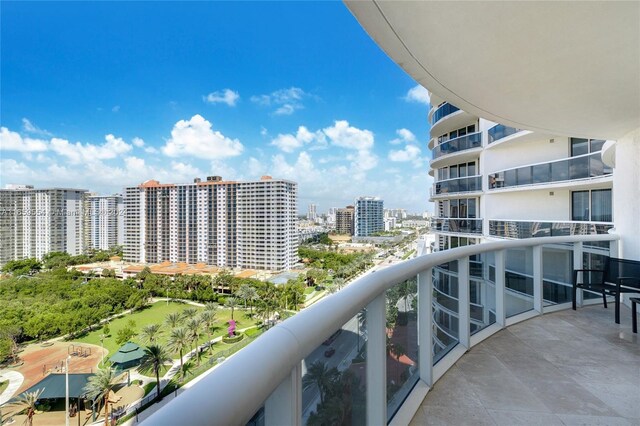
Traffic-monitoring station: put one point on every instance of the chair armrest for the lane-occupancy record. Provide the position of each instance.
(575, 274)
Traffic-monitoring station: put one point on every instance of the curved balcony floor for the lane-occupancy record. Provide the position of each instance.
(451, 122)
(567, 367)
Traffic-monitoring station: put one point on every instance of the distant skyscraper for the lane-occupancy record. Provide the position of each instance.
(344, 220)
(331, 215)
(312, 212)
(34, 222)
(106, 221)
(225, 223)
(369, 216)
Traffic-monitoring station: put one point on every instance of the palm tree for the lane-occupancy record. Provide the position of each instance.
(173, 319)
(26, 403)
(98, 388)
(186, 369)
(150, 333)
(155, 356)
(179, 340)
(211, 307)
(189, 313)
(339, 283)
(208, 318)
(243, 293)
(319, 375)
(252, 296)
(232, 302)
(193, 330)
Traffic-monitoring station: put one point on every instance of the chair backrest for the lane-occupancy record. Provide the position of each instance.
(616, 268)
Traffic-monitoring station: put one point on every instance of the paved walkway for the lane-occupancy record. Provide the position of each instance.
(15, 381)
(564, 368)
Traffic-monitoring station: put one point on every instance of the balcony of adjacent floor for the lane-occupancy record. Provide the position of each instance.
(447, 117)
(505, 228)
(457, 226)
(469, 185)
(500, 135)
(460, 149)
(579, 172)
(564, 368)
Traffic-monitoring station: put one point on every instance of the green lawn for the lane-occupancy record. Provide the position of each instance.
(157, 313)
(4, 385)
(309, 290)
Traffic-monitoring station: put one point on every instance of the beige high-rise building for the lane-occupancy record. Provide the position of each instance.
(344, 220)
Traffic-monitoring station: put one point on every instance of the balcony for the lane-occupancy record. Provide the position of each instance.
(459, 144)
(588, 166)
(442, 111)
(382, 368)
(534, 229)
(500, 131)
(457, 225)
(457, 185)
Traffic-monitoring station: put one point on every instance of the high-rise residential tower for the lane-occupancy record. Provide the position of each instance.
(34, 222)
(312, 212)
(344, 220)
(224, 223)
(368, 216)
(105, 220)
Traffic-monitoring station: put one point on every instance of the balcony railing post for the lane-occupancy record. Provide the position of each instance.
(501, 312)
(284, 405)
(377, 362)
(577, 264)
(613, 248)
(464, 310)
(425, 327)
(538, 286)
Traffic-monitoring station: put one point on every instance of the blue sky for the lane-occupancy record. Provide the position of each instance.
(102, 95)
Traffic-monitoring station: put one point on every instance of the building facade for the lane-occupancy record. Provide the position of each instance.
(312, 212)
(106, 221)
(344, 220)
(223, 223)
(368, 216)
(34, 222)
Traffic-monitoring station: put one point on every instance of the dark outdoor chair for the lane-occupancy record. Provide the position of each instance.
(618, 276)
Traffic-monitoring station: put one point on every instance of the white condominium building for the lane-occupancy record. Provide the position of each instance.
(368, 216)
(312, 212)
(106, 221)
(34, 222)
(224, 223)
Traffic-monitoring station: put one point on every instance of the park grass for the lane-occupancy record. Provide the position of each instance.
(156, 313)
(4, 385)
(309, 290)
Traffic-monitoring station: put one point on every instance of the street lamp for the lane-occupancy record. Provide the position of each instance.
(66, 394)
(102, 350)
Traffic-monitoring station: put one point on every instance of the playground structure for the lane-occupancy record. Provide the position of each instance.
(79, 351)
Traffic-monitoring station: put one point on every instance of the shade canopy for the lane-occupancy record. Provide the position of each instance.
(54, 385)
(129, 354)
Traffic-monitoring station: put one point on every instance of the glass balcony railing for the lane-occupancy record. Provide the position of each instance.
(462, 143)
(532, 229)
(579, 167)
(464, 184)
(463, 226)
(442, 111)
(355, 357)
(500, 131)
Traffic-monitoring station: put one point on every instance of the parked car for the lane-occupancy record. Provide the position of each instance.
(329, 352)
(332, 338)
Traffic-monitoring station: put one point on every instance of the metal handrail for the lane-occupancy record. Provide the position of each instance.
(233, 392)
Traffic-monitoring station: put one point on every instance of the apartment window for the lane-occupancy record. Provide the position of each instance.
(595, 205)
(581, 146)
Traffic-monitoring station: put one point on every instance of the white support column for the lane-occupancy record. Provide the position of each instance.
(376, 362)
(577, 264)
(284, 405)
(501, 312)
(464, 310)
(613, 248)
(425, 327)
(537, 280)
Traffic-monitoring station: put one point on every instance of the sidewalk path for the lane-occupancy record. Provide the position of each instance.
(15, 381)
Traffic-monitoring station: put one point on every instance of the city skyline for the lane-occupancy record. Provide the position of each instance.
(194, 109)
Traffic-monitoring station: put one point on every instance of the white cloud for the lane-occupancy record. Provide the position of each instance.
(12, 141)
(226, 96)
(151, 150)
(418, 94)
(408, 153)
(29, 127)
(404, 135)
(263, 131)
(289, 142)
(286, 101)
(138, 142)
(79, 152)
(364, 160)
(115, 108)
(221, 168)
(343, 135)
(195, 137)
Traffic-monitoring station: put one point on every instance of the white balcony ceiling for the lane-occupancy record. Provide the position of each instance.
(569, 68)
